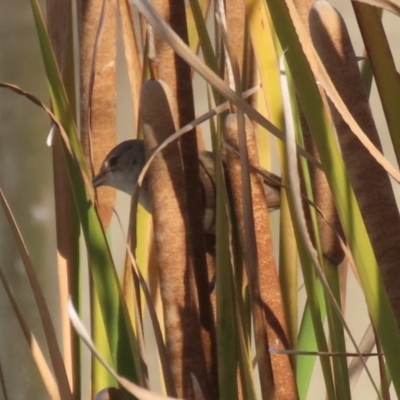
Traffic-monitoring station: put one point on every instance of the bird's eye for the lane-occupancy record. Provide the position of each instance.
(133, 161)
(112, 161)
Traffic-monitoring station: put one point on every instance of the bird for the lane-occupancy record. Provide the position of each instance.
(123, 164)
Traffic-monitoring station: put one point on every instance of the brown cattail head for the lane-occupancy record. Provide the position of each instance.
(268, 313)
(171, 230)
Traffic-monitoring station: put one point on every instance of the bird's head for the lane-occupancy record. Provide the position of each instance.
(122, 166)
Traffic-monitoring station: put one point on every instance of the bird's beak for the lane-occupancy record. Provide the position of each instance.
(100, 178)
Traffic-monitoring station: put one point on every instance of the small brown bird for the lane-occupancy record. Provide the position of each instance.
(122, 166)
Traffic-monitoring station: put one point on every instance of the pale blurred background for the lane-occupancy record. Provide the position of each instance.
(26, 179)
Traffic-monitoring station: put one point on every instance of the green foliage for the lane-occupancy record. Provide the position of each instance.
(117, 315)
